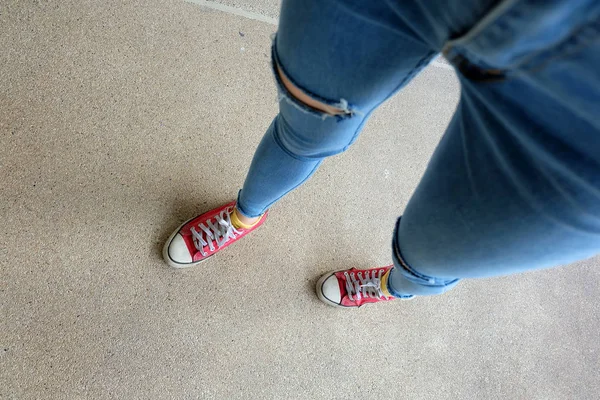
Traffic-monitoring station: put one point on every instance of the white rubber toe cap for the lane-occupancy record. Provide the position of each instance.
(329, 290)
(178, 251)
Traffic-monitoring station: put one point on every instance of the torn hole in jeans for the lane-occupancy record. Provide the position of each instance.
(345, 108)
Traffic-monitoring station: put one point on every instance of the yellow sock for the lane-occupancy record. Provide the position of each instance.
(384, 284)
(237, 224)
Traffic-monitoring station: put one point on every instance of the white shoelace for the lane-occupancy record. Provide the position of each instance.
(369, 285)
(220, 232)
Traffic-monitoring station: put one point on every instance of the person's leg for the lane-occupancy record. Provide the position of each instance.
(515, 183)
(327, 110)
(345, 58)
(334, 63)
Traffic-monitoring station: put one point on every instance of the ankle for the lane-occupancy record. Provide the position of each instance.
(384, 284)
(245, 220)
(239, 220)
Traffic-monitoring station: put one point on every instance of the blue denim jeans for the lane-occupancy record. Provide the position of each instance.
(513, 185)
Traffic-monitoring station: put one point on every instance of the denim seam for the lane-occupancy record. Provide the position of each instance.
(490, 21)
(486, 31)
(497, 27)
(578, 39)
(536, 57)
(283, 195)
(418, 66)
(484, 23)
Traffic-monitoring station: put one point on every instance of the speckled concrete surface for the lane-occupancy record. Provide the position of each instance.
(119, 120)
(269, 8)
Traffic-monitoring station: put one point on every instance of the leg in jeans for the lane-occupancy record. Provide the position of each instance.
(515, 183)
(351, 55)
(348, 57)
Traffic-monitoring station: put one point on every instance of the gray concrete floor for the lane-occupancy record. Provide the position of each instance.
(119, 120)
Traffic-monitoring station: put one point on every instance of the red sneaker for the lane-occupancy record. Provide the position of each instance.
(353, 287)
(203, 236)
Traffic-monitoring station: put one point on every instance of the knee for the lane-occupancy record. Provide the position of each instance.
(310, 128)
(305, 99)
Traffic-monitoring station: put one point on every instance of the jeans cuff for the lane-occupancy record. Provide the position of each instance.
(243, 211)
(405, 282)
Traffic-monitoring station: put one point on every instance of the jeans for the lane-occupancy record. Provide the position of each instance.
(513, 185)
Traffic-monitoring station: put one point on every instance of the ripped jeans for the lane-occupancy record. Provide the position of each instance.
(514, 184)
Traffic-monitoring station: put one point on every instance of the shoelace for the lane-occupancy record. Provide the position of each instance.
(210, 232)
(367, 285)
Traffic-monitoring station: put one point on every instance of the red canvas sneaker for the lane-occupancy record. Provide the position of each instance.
(203, 236)
(354, 287)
